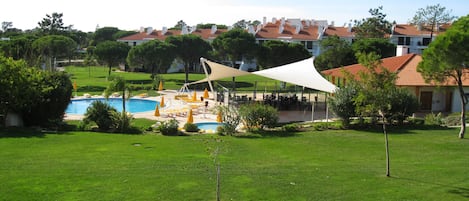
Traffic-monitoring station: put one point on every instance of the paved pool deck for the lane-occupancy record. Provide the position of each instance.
(206, 114)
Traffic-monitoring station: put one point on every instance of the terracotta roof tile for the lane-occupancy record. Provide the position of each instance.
(157, 34)
(271, 31)
(405, 67)
(339, 31)
(412, 30)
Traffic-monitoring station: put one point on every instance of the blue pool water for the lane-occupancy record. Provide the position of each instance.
(131, 105)
(208, 125)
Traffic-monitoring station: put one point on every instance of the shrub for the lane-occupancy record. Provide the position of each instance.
(169, 127)
(342, 103)
(291, 127)
(416, 121)
(433, 120)
(231, 119)
(101, 113)
(121, 121)
(403, 105)
(258, 116)
(452, 120)
(190, 127)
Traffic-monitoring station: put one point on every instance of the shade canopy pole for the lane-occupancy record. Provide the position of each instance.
(202, 61)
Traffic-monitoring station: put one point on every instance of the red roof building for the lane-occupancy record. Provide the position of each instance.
(444, 97)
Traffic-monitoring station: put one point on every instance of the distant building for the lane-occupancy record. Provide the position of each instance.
(310, 33)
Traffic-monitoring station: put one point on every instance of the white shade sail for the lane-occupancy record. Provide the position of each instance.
(302, 73)
(220, 71)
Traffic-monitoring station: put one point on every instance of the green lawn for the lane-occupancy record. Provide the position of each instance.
(93, 80)
(313, 165)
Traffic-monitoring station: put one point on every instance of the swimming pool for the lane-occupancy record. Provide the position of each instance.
(131, 105)
(208, 125)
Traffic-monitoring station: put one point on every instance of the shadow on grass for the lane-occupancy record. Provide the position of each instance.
(461, 191)
(91, 88)
(396, 129)
(17, 132)
(149, 81)
(267, 134)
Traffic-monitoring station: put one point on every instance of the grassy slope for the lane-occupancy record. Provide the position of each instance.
(327, 165)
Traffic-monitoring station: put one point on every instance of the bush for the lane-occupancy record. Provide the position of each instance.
(416, 121)
(403, 105)
(342, 103)
(102, 114)
(190, 127)
(453, 120)
(121, 121)
(169, 127)
(291, 127)
(258, 116)
(231, 119)
(434, 120)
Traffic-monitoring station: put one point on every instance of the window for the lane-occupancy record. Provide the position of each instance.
(403, 41)
(135, 43)
(309, 45)
(426, 41)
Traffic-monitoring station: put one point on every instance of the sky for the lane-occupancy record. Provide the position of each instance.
(86, 15)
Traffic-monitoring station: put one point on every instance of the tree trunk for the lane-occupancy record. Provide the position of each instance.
(186, 70)
(463, 123)
(463, 106)
(124, 114)
(109, 72)
(388, 172)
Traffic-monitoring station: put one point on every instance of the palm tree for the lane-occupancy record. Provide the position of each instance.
(118, 84)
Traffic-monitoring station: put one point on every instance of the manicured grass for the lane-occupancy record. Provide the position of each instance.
(93, 80)
(313, 165)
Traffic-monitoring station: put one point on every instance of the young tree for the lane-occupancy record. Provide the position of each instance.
(119, 84)
(336, 52)
(112, 53)
(447, 58)
(54, 46)
(432, 15)
(375, 87)
(375, 26)
(154, 55)
(189, 48)
(275, 53)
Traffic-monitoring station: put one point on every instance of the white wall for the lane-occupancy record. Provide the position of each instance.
(456, 104)
(438, 101)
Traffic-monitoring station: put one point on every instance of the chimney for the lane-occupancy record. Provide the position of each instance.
(149, 30)
(213, 30)
(349, 28)
(259, 27)
(419, 27)
(142, 29)
(264, 21)
(282, 21)
(184, 30)
(332, 23)
(251, 29)
(297, 28)
(192, 29)
(164, 30)
(437, 27)
(274, 20)
(280, 29)
(402, 50)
